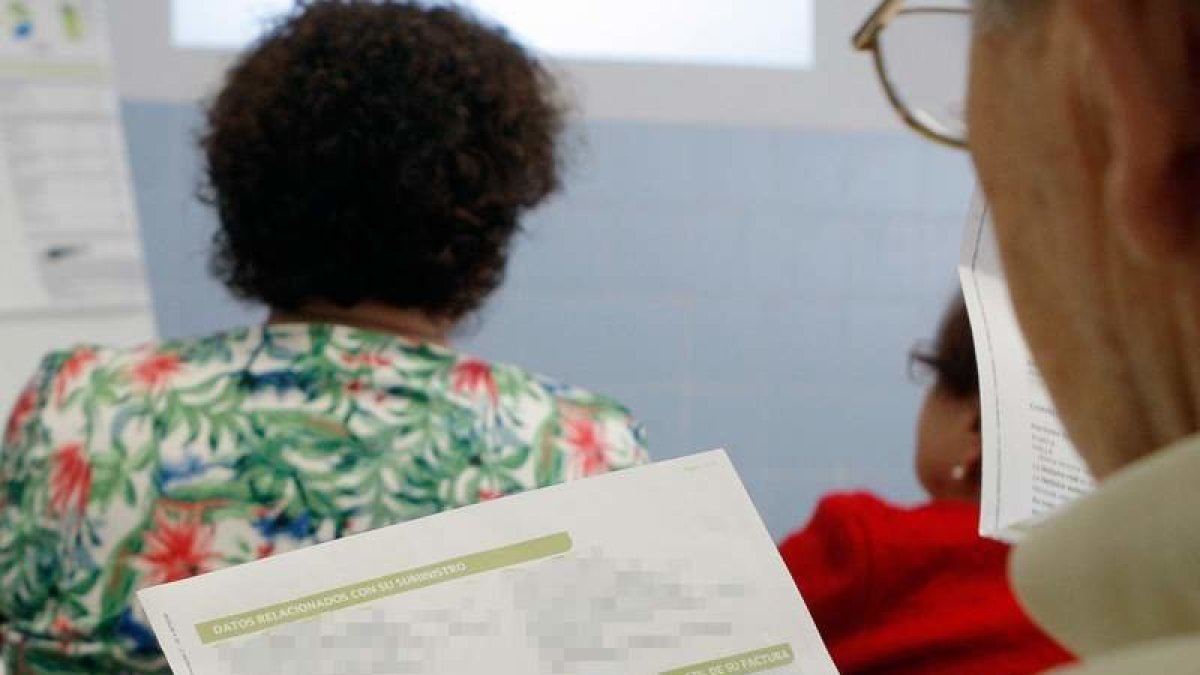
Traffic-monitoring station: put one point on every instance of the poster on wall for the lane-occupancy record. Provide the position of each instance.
(68, 226)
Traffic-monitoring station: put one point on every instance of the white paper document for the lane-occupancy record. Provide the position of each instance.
(1030, 468)
(68, 229)
(660, 570)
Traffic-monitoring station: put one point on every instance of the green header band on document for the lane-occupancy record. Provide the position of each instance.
(389, 585)
(757, 661)
(27, 69)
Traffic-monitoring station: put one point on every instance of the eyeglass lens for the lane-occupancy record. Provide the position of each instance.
(925, 54)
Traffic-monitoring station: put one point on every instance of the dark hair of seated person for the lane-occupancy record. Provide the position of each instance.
(378, 152)
(951, 356)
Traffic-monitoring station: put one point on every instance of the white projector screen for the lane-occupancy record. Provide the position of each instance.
(765, 33)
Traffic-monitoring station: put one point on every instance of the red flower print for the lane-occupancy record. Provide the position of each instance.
(156, 370)
(70, 479)
(355, 386)
(486, 495)
(24, 407)
(265, 550)
(65, 630)
(372, 360)
(587, 444)
(62, 625)
(176, 551)
(70, 371)
(471, 377)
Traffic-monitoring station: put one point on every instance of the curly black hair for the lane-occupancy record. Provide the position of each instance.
(378, 151)
(951, 357)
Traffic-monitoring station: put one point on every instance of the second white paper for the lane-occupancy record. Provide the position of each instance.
(1030, 468)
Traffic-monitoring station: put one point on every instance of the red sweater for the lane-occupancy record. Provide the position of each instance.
(913, 590)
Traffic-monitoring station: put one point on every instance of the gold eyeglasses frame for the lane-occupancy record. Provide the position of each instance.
(866, 39)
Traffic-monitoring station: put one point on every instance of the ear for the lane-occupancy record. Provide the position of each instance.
(972, 453)
(1140, 62)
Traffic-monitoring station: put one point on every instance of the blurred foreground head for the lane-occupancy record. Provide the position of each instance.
(1084, 125)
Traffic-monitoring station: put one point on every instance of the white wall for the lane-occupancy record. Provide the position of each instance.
(840, 93)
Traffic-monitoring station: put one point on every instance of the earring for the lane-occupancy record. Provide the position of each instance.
(959, 472)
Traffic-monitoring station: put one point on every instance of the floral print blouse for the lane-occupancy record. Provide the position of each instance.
(125, 469)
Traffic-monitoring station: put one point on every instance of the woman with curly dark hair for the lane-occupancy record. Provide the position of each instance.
(370, 163)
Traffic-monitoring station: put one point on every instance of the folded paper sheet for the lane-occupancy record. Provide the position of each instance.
(665, 569)
(1030, 468)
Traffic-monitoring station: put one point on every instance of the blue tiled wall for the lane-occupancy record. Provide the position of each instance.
(750, 288)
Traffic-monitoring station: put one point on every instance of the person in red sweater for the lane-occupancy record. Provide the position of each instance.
(908, 590)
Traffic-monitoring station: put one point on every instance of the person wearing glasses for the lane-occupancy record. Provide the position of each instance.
(916, 590)
(1082, 118)
(370, 164)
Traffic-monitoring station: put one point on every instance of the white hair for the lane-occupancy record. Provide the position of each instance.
(991, 14)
